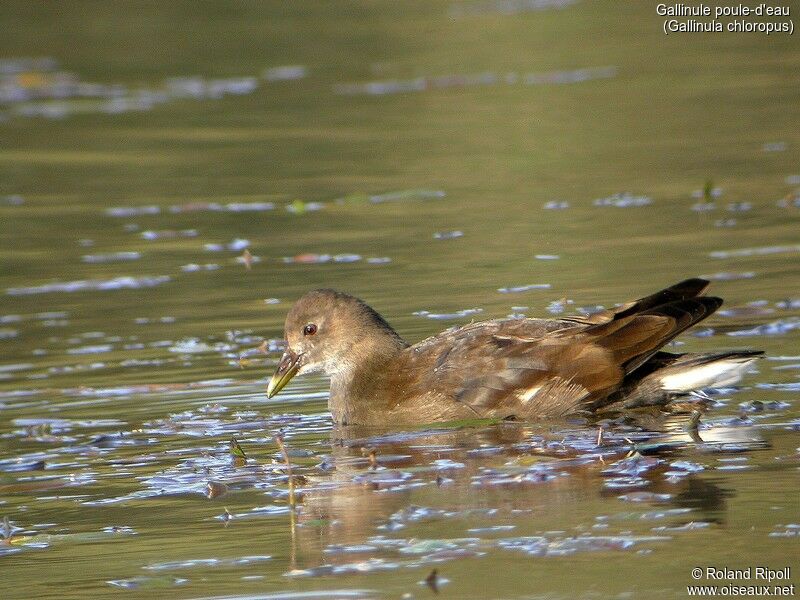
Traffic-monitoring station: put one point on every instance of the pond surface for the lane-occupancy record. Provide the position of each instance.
(172, 179)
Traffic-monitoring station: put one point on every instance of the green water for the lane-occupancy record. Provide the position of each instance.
(656, 117)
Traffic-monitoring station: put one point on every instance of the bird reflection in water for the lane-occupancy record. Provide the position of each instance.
(375, 484)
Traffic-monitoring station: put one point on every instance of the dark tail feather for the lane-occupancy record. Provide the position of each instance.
(635, 338)
(686, 314)
(690, 288)
(685, 290)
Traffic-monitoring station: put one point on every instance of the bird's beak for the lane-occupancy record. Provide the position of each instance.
(287, 368)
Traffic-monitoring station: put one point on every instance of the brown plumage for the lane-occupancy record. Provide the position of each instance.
(522, 368)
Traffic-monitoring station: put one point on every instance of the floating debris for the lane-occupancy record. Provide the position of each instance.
(286, 73)
(367, 566)
(505, 7)
(308, 259)
(13, 200)
(624, 200)
(759, 406)
(793, 367)
(565, 546)
(234, 245)
(419, 84)
(729, 276)
(200, 88)
(589, 310)
(790, 303)
(206, 562)
(316, 259)
(774, 147)
(546, 256)
(739, 207)
(168, 234)
(353, 549)
(346, 258)
(783, 387)
(41, 90)
(556, 205)
(790, 530)
(133, 211)
(417, 514)
(426, 83)
(447, 316)
(117, 283)
(567, 77)
(244, 207)
(235, 207)
(111, 257)
(556, 307)
(751, 310)
(397, 196)
(414, 194)
(238, 244)
(760, 251)
(645, 497)
(147, 583)
(492, 529)
(96, 349)
(524, 288)
(195, 346)
(299, 207)
(447, 235)
(193, 268)
(686, 466)
(690, 526)
(58, 314)
(791, 199)
(147, 321)
(10, 368)
(258, 512)
(778, 327)
(634, 465)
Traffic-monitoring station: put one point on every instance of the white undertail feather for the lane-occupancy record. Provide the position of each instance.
(720, 373)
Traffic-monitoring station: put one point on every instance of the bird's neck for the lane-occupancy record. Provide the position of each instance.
(360, 388)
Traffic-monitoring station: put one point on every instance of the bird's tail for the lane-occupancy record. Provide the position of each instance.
(668, 376)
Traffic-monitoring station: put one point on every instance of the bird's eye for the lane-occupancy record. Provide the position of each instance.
(310, 329)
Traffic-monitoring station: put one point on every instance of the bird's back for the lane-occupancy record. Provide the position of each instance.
(542, 368)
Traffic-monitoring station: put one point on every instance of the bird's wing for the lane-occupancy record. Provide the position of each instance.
(549, 368)
(684, 290)
(522, 368)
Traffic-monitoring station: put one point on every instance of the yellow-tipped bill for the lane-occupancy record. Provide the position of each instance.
(287, 369)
